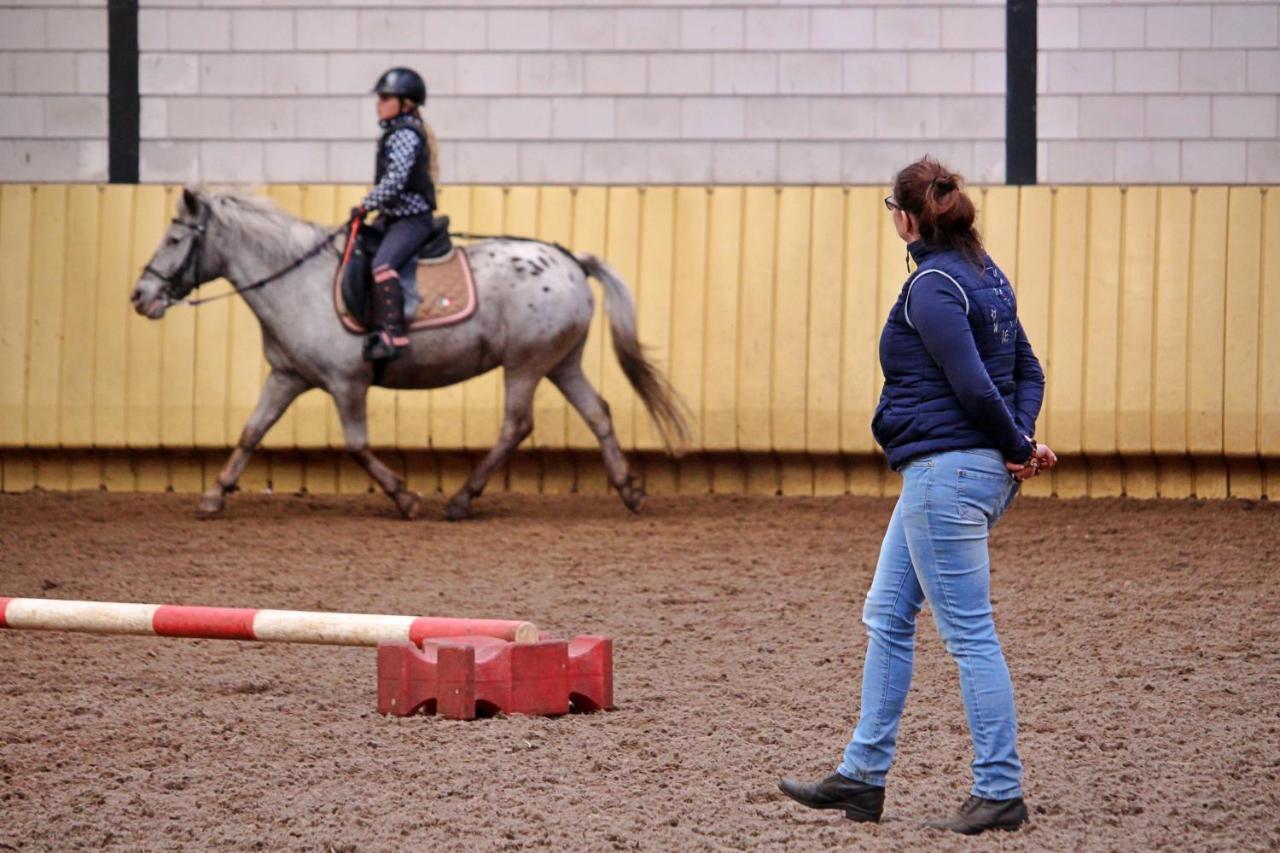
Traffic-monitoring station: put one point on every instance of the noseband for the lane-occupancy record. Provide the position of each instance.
(177, 288)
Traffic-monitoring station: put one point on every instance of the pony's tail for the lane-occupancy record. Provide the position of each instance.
(663, 402)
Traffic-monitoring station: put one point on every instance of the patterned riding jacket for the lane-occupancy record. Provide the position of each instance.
(959, 372)
(402, 170)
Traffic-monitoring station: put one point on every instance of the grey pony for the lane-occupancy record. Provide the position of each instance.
(534, 310)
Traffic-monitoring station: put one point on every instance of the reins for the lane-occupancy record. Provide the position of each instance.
(275, 276)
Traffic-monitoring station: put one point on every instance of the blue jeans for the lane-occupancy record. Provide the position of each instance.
(936, 550)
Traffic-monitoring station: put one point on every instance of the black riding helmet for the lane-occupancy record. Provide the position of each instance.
(402, 83)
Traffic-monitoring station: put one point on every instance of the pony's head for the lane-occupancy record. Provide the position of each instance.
(182, 262)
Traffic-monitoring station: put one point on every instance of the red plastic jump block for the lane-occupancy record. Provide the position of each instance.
(464, 677)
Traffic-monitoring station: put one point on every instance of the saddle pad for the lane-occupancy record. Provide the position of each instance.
(445, 286)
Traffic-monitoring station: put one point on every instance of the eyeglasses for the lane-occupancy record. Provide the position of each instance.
(890, 204)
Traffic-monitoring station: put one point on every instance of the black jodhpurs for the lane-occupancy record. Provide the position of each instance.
(402, 237)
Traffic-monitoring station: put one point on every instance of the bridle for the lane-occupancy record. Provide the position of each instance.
(177, 288)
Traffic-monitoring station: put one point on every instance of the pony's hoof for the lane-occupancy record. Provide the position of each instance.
(633, 496)
(210, 506)
(408, 502)
(456, 510)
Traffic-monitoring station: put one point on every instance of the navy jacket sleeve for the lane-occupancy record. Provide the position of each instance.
(1029, 395)
(937, 310)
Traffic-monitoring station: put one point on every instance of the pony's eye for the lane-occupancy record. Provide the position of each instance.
(171, 240)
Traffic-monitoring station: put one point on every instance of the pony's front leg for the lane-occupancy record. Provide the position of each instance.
(281, 388)
(351, 411)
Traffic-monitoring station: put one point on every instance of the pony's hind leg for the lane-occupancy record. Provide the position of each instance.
(573, 383)
(281, 388)
(517, 423)
(350, 401)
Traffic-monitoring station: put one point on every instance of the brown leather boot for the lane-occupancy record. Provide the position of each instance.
(861, 802)
(978, 815)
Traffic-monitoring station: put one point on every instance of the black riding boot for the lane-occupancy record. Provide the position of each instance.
(389, 338)
(859, 801)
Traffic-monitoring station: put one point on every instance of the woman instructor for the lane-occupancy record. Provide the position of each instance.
(962, 390)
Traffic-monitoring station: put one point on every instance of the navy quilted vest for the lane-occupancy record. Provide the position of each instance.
(918, 411)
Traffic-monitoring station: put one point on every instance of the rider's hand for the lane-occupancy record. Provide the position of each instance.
(358, 212)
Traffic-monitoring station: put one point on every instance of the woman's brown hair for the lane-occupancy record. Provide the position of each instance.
(935, 196)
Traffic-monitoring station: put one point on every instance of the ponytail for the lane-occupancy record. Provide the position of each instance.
(944, 213)
(433, 146)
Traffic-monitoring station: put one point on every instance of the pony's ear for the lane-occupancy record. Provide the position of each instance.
(191, 200)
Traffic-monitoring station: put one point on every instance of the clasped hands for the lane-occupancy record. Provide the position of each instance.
(1042, 459)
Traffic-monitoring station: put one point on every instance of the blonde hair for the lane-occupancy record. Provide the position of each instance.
(433, 146)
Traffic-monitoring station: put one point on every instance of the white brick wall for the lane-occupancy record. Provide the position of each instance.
(605, 91)
(1159, 92)
(661, 91)
(53, 84)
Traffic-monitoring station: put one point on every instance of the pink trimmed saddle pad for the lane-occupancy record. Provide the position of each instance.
(447, 289)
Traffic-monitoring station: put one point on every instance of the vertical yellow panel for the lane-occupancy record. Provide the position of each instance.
(1066, 306)
(1140, 480)
(481, 411)
(49, 252)
(622, 251)
(719, 389)
(1031, 281)
(1101, 324)
(86, 469)
(16, 209)
(80, 295)
(689, 321)
(892, 274)
(1174, 477)
(823, 338)
(1244, 478)
(1209, 477)
(311, 409)
(151, 214)
(654, 299)
(550, 409)
(177, 368)
(320, 474)
(113, 316)
(1269, 337)
(1243, 297)
(755, 316)
(15, 277)
(790, 328)
(19, 471)
(1169, 386)
(999, 227)
(1207, 306)
(590, 213)
(1137, 310)
(862, 320)
(445, 404)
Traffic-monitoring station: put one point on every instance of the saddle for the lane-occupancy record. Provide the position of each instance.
(442, 274)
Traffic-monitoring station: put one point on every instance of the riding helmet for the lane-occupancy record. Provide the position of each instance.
(403, 83)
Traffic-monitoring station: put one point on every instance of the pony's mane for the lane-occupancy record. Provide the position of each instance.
(260, 221)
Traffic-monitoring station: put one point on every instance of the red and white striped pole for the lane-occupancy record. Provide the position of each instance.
(235, 623)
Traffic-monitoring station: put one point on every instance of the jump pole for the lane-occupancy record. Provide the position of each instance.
(235, 623)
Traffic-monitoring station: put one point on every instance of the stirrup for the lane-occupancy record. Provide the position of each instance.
(381, 346)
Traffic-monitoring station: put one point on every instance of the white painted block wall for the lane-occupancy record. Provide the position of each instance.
(543, 92)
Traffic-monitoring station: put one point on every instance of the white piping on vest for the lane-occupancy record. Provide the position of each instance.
(906, 303)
